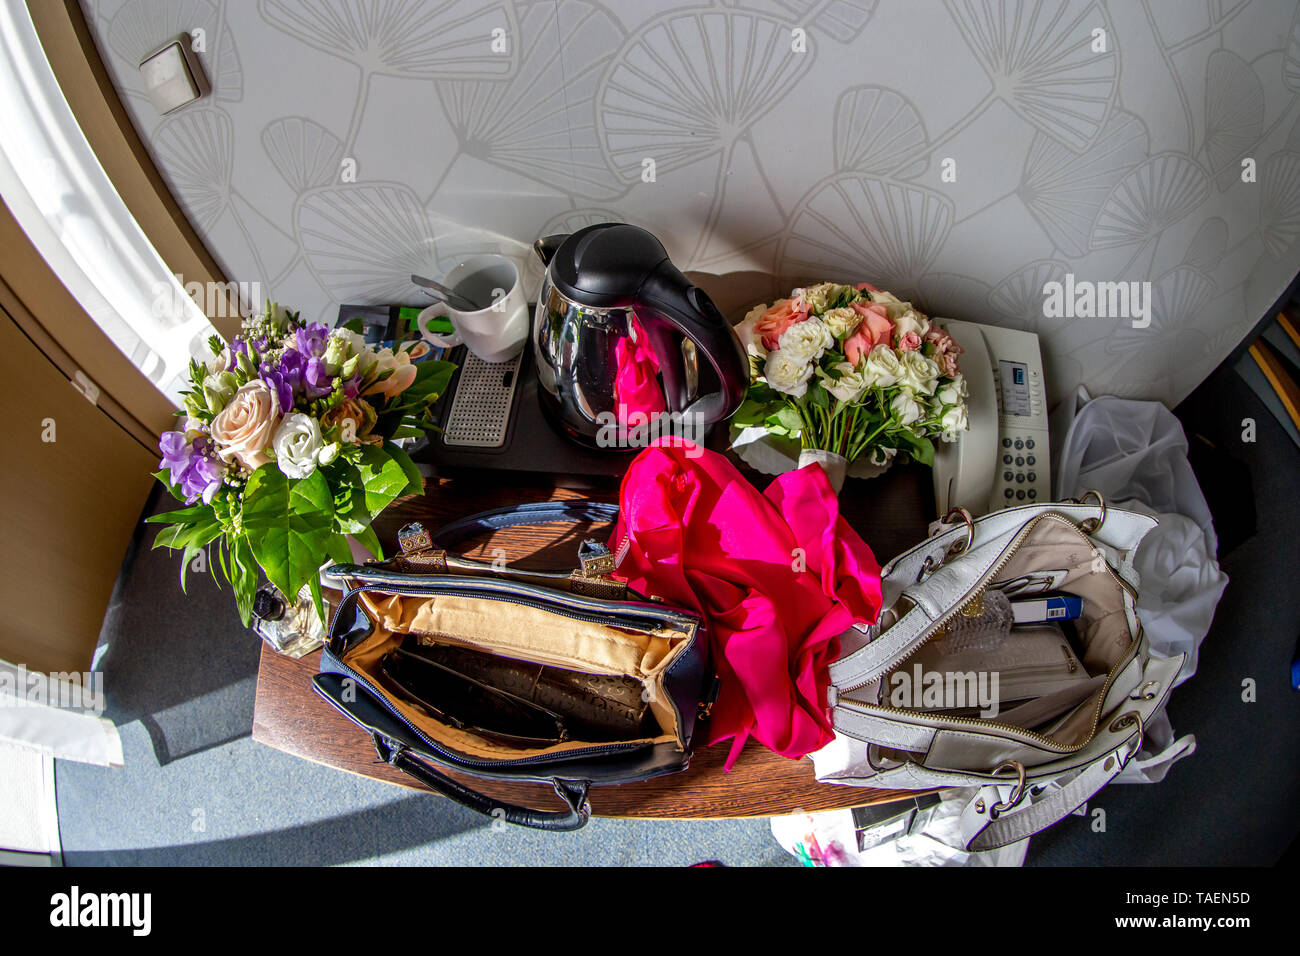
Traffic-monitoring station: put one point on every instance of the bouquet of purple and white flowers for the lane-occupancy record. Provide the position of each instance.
(288, 448)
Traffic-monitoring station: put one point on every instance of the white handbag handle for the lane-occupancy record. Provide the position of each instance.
(999, 815)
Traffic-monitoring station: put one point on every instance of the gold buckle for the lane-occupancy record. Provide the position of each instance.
(1090, 525)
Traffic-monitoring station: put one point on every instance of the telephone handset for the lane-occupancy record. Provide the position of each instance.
(1003, 457)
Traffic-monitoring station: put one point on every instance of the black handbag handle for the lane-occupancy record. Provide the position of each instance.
(541, 512)
(362, 709)
(572, 792)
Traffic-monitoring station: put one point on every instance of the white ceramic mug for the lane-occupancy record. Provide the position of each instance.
(496, 332)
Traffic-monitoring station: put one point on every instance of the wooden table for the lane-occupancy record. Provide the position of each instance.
(891, 513)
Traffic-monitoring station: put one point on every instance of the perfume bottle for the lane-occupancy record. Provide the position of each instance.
(291, 629)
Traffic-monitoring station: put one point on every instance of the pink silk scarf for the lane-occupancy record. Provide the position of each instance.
(777, 577)
(636, 377)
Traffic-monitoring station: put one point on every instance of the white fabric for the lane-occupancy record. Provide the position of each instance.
(1135, 454)
(931, 840)
(68, 733)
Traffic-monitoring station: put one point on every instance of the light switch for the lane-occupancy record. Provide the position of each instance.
(173, 76)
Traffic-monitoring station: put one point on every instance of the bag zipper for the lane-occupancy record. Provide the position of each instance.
(651, 620)
(976, 594)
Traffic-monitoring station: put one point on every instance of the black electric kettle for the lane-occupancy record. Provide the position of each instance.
(605, 286)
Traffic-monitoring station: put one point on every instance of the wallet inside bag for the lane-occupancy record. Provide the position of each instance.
(519, 675)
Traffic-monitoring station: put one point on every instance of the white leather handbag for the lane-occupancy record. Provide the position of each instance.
(1039, 761)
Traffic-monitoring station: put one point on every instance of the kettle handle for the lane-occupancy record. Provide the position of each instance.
(667, 305)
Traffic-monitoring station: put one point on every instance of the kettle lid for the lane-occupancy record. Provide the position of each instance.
(605, 265)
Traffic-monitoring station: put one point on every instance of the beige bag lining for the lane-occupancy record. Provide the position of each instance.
(1104, 631)
(523, 633)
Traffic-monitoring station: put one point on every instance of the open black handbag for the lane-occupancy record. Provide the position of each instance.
(559, 677)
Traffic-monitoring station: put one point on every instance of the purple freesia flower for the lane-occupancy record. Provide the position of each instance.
(193, 465)
(312, 339)
(175, 448)
(237, 345)
(352, 387)
(317, 382)
(292, 365)
(276, 381)
(285, 376)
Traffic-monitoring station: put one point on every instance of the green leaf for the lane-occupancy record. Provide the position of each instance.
(414, 480)
(243, 580)
(182, 535)
(173, 490)
(382, 479)
(287, 524)
(785, 421)
(355, 324)
(920, 448)
(432, 377)
(370, 541)
(751, 412)
(314, 583)
(338, 550)
(197, 541)
(221, 559)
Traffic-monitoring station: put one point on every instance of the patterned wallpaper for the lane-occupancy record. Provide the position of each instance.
(963, 153)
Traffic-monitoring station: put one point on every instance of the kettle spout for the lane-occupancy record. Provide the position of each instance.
(545, 247)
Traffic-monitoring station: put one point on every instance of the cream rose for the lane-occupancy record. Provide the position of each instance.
(806, 341)
(910, 321)
(882, 367)
(906, 408)
(749, 336)
(953, 422)
(842, 322)
(244, 428)
(953, 392)
(787, 373)
(919, 373)
(820, 296)
(850, 386)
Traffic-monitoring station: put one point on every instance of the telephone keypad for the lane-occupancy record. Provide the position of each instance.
(1020, 479)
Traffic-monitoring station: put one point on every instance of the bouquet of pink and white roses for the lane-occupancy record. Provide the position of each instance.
(288, 448)
(853, 371)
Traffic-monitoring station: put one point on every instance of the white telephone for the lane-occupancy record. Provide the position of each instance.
(1003, 459)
